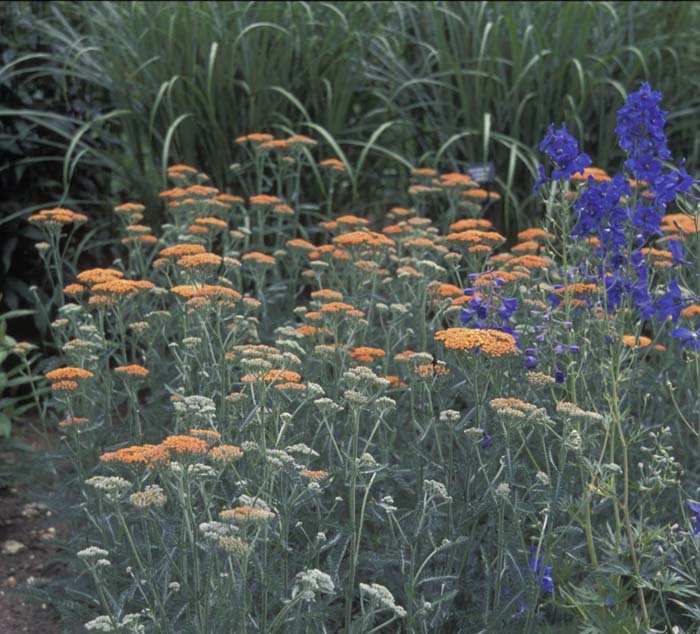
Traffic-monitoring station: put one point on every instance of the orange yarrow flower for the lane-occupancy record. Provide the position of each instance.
(493, 343)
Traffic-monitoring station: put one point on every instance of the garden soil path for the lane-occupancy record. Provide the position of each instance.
(28, 529)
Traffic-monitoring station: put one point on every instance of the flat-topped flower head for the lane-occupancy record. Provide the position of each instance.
(333, 164)
(97, 276)
(471, 223)
(264, 200)
(247, 515)
(200, 261)
(255, 138)
(366, 354)
(492, 343)
(56, 217)
(145, 455)
(185, 445)
(258, 258)
(225, 454)
(133, 371)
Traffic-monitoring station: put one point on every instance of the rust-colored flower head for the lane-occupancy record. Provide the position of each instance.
(364, 239)
(247, 515)
(200, 261)
(123, 288)
(69, 374)
(314, 476)
(327, 295)
(632, 341)
(225, 454)
(333, 164)
(211, 223)
(366, 354)
(596, 173)
(145, 455)
(300, 244)
(467, 224)
(132, 371)
(73, 422)
(273, 376)
(264, 200)
(492, 343)
(456, 180)
(73, 290)
(258, 258)
(534, 233)
(179, 250)
(96, 276)
(528, 261)
(255, 138)
(185, 445)
(56, 217)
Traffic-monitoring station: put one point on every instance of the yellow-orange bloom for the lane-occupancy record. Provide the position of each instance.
(122, 287)
(471, 223)
(363, 238)
(534, 233)
(691, 311)
(526, 247)
(96, 276)
(456, 180)
(255, 137)
(134, 370)
(315, 476)
(64, 386)
(57, 216)
(596, 173)
(529, 261)
(185, 444)
(446, 290)
(180, 250)
(199, 260)
(257, 257)
(350, 220)
(366, 354)
(73, 421)
(493, 343)
(327, 294)
(225, 453)
(68, 373)
(215, 223)
(263, 200)
(211, 291)
(299, 243)
(636, 342)
(273, 376)
(73, 289)
(246, 515)
(333, 164)
(149, 455)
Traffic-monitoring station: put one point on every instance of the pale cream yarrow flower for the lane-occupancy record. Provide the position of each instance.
(381, 598)
(309, 583)
(151, 496)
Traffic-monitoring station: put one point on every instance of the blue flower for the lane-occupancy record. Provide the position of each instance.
(695, 509)
(687, 338)
(487, 441)
(542, 178)
(640, 131)
(543, 573)
(563, 151)
(559, 375)
(677, 254)
(671, 303)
